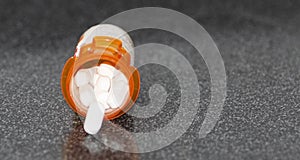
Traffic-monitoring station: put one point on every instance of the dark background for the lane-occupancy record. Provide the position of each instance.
(259, 43)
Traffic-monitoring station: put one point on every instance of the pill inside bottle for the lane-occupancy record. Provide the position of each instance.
(100, 82)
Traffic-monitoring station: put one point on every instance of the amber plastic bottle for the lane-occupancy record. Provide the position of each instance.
(101, 44)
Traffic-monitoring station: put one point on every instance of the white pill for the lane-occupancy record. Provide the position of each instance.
(106, 70)
(103, 83)
(94, 118)
(82, 77)
(94, 76)
(86, 95)
(119, 76)
(106, 106)
(118, 93)
(102, 96)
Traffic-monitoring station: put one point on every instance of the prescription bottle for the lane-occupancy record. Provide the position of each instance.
(101, 44)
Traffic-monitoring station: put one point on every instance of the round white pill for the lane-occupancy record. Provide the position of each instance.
(82, 77)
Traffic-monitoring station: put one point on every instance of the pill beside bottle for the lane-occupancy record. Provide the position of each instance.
(100, 82)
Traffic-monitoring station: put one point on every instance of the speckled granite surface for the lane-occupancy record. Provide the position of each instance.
(258, 40)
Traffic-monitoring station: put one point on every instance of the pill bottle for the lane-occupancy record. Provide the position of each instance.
(101, 45)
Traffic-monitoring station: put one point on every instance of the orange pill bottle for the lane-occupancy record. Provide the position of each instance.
(101, 44)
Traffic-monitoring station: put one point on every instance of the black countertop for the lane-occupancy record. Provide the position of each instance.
(258, 41)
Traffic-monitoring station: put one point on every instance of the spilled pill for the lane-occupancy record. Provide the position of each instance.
(94, 118)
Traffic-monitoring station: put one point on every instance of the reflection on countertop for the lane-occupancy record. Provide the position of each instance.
(80, 145)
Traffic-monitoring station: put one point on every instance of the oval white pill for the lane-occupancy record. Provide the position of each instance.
(94, 118)
(106, 106)
(106, 70)
(86, 95)
(94, 75)
(82, 77)
(119, 76)
(118, 93)
(103, 83)
(102, 96)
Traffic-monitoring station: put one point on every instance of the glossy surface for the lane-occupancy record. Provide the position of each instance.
(259, 42)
